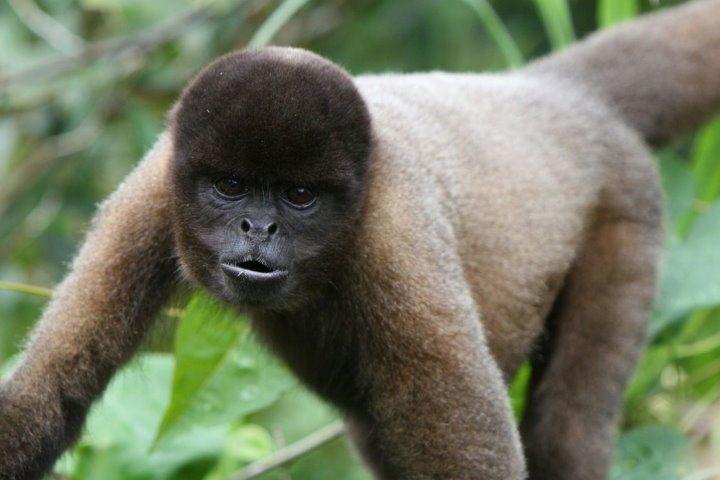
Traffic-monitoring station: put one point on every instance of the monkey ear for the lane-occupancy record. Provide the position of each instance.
(125, 271)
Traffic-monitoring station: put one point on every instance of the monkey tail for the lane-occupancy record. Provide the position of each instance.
(661, 73)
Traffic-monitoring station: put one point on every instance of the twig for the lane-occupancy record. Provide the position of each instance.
(141, 41)
(24, 288)
(174, 312)
(292, 451)
(46, 27)
(61, 145)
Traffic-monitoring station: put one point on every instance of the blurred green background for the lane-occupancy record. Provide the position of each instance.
(84, 87)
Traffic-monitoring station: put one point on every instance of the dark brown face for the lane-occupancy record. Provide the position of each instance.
(271, 157)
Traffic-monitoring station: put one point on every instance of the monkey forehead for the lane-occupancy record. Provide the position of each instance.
(273, 111)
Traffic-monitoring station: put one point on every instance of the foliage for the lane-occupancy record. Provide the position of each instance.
(208, 400)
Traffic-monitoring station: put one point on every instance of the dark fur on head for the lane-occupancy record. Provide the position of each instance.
(275, 116)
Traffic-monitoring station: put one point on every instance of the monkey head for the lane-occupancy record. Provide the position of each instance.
(271, 152)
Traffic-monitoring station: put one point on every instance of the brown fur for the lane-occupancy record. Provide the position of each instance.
(93, 324)
(494, 206)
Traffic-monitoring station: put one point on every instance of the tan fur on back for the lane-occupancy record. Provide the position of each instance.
(504, 195)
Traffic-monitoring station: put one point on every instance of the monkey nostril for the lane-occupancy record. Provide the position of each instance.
(272, 228)
(245, 225)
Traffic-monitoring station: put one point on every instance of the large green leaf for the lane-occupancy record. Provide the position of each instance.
(706, 161)
(221, 372)
(691, 271)
(647, 374)
(557, 19)
(680, 188)
(121, 429)
(611, 12)
(297, 414)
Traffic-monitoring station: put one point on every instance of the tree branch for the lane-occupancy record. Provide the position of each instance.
(25, 288)
(133, 43)
(292, 451)
(46, 27)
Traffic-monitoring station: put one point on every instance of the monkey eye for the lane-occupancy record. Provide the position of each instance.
(231, 188)
(300, 197)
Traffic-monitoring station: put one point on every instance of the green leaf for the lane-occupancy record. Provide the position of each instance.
(647, 374)
(204, 339)
(334, 460)
(248, 443)
(651, 453)
(556, 17)
(691, 272)
(611, 12)
(680, 187)
(275, 22)
(245, 444)
(297, 414)
(497, 31)
(121, 428)
(706, 170)
(519, 388)
(706, 161)
(221, 373)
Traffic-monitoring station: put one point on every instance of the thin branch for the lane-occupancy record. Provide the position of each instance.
(291, 452)
(142, 41)
(43, 156)
(24, 288)
(17, 287)
(46, 27)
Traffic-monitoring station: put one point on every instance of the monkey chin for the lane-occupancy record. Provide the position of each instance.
(251, 293)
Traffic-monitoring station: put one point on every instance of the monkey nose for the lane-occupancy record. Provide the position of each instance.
(260, 228)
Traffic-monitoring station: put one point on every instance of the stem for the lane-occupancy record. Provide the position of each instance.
(292, 451)
(272, 25)
(497, 31)
(24, 288)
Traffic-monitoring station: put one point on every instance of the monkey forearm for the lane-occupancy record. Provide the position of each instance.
(98, 315)
(446, 431)
(448, 418)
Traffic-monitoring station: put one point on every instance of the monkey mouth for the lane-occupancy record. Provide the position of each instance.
(253, 270)
(255, 266)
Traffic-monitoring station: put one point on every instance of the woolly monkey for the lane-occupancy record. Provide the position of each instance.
(403, 242)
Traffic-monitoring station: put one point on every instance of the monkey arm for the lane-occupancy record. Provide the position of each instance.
(434, 402)
(121, 277)
(437, 406)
